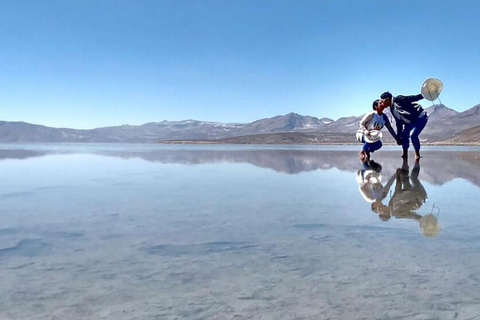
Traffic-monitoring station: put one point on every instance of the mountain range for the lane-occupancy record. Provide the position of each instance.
(444, 124)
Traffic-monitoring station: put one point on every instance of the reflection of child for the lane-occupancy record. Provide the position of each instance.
(371, 124)
(371, 188)
(378, 206)
(370, 183)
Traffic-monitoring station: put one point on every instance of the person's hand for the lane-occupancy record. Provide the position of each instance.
(399, 141)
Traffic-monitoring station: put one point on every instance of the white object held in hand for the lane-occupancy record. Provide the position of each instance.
(431, 88)
(368, 136)
(373, 136)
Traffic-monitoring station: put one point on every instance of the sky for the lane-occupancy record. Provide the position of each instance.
(95, 63)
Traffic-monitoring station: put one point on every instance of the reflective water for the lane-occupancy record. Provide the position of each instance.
(250, 232)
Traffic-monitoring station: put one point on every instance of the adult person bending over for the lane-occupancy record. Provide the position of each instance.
(410, 117)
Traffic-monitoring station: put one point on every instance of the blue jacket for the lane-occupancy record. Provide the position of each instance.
(405, 110)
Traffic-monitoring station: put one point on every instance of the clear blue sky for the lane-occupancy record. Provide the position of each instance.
(95, 63)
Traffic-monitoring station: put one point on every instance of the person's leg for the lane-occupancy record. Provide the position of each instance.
(369, 148)
(375, 166)
(363, 152)
(375, 146)
(415, 170)
(365, 145)
(405, 139)
(418, 126)
(362, 155)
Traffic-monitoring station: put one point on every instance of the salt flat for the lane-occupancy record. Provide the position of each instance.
(225, 232)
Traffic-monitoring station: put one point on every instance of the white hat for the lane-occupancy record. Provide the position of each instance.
(431, 88)
(374, 136)
(429, 226)
(368, 176)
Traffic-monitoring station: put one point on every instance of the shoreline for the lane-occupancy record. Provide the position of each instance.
(473, 144)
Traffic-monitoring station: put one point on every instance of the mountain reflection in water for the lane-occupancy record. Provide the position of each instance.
(438, 167)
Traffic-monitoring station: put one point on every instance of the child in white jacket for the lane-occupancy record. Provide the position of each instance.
(369, 132)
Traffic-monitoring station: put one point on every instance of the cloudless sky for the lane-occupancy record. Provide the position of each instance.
(95, 63)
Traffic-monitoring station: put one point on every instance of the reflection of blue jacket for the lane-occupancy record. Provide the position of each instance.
(409, 194)
(405, 110)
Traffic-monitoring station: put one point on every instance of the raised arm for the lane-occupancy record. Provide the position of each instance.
(413, 98)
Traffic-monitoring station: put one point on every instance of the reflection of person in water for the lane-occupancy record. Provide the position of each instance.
(370, 185)
(378, 206)
(409, 195)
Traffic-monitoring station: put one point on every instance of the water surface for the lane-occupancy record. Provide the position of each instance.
(247, 232)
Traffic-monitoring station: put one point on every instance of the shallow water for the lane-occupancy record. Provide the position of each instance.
(238, 232)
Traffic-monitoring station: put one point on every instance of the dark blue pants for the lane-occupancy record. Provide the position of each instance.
(411, 131)
(371, 147)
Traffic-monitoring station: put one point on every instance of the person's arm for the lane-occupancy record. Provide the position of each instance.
(409, 99)
(367, 118)
(387, 187)
(390, 129)
(399, 124)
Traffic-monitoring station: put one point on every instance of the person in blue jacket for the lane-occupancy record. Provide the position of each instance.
(410, 118)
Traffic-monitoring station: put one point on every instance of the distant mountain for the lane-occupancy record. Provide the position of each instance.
(344, 125)
(286, 123)
(26, 132)
(149, 132)
(153, 131)
(278, 138)
(326, 120)
(444, 123)
(441, 112)
(439, 124)
(468, 136)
